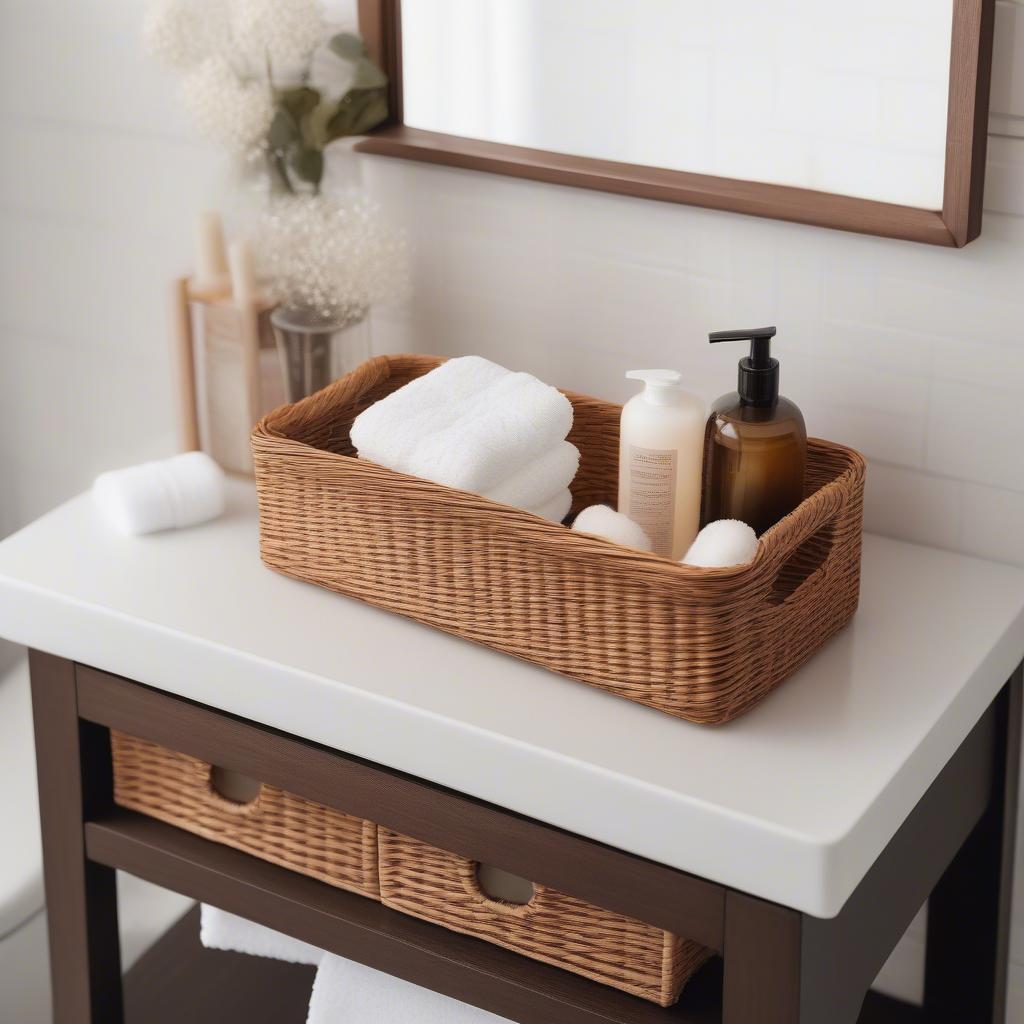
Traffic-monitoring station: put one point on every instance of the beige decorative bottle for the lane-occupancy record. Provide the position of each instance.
(756, 442)
(660, 451)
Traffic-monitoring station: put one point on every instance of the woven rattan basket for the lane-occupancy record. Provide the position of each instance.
(442, 888)
(703, 644)
(276, 826)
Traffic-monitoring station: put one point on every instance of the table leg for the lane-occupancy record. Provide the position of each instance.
(761, 983)
(73, 766)
(956, 848)
(969, 911)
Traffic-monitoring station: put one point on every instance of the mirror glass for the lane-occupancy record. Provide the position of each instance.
(848, 98)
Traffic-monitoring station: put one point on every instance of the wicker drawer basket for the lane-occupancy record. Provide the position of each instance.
(276, 826)
(443, 888)
(703, 644)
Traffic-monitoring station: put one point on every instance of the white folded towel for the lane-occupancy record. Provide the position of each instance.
(389, 430)
(181, 491)
(541, 481)
(220, 930)
(556, 509)
(345, 991)
(603, 521)
(723, 543)
(468, 424)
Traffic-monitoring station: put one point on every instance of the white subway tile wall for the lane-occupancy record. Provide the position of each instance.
(913, 354)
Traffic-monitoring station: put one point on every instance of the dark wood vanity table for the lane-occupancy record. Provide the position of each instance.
(186, 640)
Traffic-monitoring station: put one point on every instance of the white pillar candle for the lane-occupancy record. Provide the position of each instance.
(243, 272)
(210, 254)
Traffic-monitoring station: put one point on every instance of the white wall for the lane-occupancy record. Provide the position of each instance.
(913, 354)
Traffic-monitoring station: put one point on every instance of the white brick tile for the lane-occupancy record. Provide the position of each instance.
(1004, 174)
(993, 525)
(1007, 66)
(108, 177)
(974, 435)
(879, 413)
(83, 63)
(959, 313)
(437, 200)
(106, 287)
(995, 361)
(892, 351)
(75, 412)
(623, 307)
(850, 293)
(639, 232)
(913, 506)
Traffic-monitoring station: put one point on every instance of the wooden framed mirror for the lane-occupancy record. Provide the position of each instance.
(869, 117)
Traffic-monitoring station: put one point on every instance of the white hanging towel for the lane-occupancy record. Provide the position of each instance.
(349, 993)
(220, 930)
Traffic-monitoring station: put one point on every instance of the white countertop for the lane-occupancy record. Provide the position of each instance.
(792, 802)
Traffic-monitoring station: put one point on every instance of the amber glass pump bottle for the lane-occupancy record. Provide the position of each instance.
(755, 442)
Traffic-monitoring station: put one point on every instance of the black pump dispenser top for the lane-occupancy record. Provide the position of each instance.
(758, 382)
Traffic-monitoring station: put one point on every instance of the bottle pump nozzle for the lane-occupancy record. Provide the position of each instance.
(758, 380)
(661, 386)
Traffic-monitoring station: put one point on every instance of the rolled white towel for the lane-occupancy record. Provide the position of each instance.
(603, 521)
(468, 424)
(220, 930)
(347, 991)
(541, 481)
(556, 508)
(721, 544)
(181, 491)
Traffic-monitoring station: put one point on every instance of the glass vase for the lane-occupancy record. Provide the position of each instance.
(315, 351)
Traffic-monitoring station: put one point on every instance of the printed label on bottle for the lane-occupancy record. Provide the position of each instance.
(652, 494)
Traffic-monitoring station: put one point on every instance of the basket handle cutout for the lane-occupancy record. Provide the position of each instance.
(234, 787)
(502, 887)
(806, 559)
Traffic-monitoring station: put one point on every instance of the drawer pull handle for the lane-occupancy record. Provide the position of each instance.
(235, 787)
(502, 886)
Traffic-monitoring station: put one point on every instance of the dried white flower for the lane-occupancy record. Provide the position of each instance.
(284, 31)
(329, 258)
(182, 33)
(225, 109)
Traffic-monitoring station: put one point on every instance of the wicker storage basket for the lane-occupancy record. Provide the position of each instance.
(442, 888)
(703, 644)
(276, 826)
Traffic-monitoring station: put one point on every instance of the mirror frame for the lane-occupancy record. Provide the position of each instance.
(956, 224)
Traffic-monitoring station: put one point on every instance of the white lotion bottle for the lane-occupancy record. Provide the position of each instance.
(661, 454)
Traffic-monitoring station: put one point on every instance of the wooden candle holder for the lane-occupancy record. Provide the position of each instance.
(221, 345)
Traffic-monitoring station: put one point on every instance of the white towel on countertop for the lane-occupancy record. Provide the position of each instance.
(541, 481)
(183, 490)
(220, 930)
(349, 993)
(468, 424)
(723, 543)
(556, 509)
